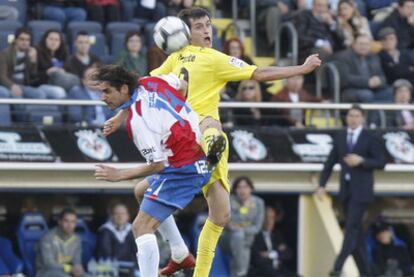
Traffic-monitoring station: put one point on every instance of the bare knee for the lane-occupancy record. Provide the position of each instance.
(140, 189)
(219, 218)
(144, 224)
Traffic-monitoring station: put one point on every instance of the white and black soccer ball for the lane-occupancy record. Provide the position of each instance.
(171, 34)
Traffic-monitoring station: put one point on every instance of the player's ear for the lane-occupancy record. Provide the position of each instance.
(124, 89)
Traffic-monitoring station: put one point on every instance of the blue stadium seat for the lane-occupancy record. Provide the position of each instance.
(149, 32)
(121, 27)
(10, 25)
(9, 262)
(98, 45)
(39, 27)
(91, 27)
(88, 240)
(221, 265)
(20, 5)
(6, 38)
(117, 43)
(31, 229)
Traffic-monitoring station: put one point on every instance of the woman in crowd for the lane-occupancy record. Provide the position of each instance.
(133, 57)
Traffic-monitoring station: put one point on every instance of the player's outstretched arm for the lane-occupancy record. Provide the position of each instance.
(271, 73)
(112, 174)
(113, 124)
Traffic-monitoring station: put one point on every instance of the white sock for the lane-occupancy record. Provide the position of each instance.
(148, 255)
(170, 232)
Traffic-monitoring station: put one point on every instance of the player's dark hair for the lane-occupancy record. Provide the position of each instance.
(116, 76)
(238, 180)
(22, 30)
(192, 13)
(66, 211)
(358, 108)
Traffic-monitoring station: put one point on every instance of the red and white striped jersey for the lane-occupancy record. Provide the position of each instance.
(162, 124)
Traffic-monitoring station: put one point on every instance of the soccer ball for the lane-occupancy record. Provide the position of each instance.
(171, 34)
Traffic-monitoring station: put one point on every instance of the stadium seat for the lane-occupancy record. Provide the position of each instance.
(39, 27)
(121, 27)
(10, 25)
(31, 229)
(20, 5)
(98, 45)
(88, 240)
(92, 27)
(6, 38)
(9, 263)
(149, 32)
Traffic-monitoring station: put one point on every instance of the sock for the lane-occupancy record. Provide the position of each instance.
(205, 138)
(148, 255)
(207, 243)
(169, 230)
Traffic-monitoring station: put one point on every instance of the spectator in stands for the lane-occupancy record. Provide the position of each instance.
(64, 11)
(53, 53)
(293, 92)
(270, 14)
(18, 72)
(115, 237)
(248, 91)
(318, 31)
(175, 6)
(5, 115)
(359, 153)
(390, 258)
(59, 251)
(82, 59)
(8, 13)
(155, 57)
(402, 20)
(149, 10)
(351, 21)
(402, 96)
(95, 115)
(133, 57)
(270, 251)
(10, 264)
(103, 11)
(247, 215)
(397, 64)
(362, 78)
(235, 48)
(308, 4)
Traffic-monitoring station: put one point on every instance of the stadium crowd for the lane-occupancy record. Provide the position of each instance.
(371, 43)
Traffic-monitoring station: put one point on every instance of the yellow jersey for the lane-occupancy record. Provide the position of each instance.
(206, 71)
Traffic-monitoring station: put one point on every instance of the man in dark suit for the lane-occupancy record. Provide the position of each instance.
(359, 153)
(362, 78)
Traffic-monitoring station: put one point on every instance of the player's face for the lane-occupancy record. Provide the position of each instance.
(354, 118)
(201, 32)
(114, 97)
(68, 224)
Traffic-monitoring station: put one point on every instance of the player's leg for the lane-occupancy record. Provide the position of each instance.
(218, 200)
(148, 254)
(180, 255)
(213, 141)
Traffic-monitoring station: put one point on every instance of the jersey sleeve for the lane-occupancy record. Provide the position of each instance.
(229, 68)
(172, 80)
(165, 68)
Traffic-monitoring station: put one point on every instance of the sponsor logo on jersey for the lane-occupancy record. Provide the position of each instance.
(147, 151)
(236, 62)
(187, 59)
(317, 150)
(247, 146)
(93, 144)
(399, 146)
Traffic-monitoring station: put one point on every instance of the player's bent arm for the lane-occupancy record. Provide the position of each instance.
(271, 73)
(111, 174)
(113, 124)
(141, 171)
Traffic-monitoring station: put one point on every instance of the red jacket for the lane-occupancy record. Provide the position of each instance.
(102, 2)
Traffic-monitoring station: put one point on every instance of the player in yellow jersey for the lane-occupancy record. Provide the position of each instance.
(207, 71)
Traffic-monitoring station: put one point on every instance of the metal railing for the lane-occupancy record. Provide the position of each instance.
(293, 34)
(252, 21)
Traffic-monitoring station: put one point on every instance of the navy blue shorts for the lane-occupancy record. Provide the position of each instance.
(174, 188)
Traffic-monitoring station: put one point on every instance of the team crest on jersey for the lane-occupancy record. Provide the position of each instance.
(236, 62)
(93, 145)
(247, 146)
(399, 146)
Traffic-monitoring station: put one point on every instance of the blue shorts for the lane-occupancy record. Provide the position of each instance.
(174, 188)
